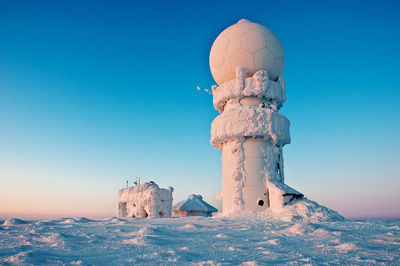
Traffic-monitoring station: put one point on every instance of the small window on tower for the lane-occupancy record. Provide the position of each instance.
(260, 203)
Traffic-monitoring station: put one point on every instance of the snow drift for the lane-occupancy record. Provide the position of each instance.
(199, 241)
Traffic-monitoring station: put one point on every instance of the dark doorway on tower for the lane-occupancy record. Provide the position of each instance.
(279, 166)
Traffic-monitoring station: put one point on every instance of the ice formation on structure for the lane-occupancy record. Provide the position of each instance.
(147, 200)
(247, 61)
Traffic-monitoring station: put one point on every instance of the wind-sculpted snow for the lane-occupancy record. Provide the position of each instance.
(198, 241)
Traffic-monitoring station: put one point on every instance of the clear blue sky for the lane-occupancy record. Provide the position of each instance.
(93, 93)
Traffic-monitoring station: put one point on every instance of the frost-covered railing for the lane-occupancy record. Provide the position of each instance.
(238, 120)
(259, 85)
(238, 123)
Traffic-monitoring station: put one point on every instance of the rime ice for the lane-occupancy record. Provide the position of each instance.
(145, 200)
(251, 133)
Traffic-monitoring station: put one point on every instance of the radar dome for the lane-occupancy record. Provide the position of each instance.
(248, 45)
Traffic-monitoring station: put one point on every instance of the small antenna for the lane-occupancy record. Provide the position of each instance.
(206, 90)
(126, 183)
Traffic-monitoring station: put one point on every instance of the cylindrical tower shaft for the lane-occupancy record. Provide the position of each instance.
(251, 133)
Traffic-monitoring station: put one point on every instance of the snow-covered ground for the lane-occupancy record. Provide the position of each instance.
(198, 240)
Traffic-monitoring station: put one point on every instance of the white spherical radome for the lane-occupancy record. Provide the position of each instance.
(249, 45)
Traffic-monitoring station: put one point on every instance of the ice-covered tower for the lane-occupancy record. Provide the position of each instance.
(247, 62)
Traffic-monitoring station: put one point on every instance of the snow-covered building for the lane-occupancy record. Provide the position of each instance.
(194, 205)
(147, 200)
(247, 61)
